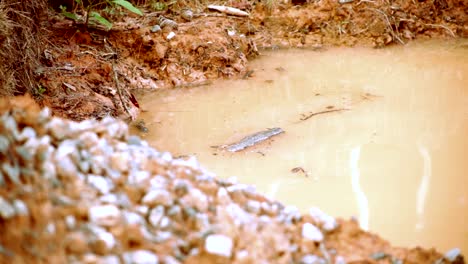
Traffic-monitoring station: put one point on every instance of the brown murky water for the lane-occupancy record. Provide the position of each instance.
(397, 159)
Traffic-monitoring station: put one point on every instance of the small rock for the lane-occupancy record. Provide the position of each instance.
(311, 232)
(20, 207)
(50, 228)
(453, 255)
(139, 178)
(103, 242)
(155, 28)
(111, 259)
(70, 222)
(223, 196)
(104, 215)
(253, 206)
(239, 215)
(132, 218)
(220, 245)
(104, 185)
(196, 199)
(140, 257)
(328, 223)
(157, 197)
(120, 161)
(6, 209)
(142, 209)
(340, 260)
(312, 259)
(155, 215)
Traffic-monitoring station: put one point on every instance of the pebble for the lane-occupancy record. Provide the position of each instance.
(104, 215)
(111, 259)
(453, 254)
(311, 232)
(312, 259)
(70, 222)
(20, 207)
(108, 240)
(155, 215)
(6, 209)
(196, 199)
(220, 245)
(104, 185)
(239, 215)
(132, 218)
(156, 197)
(328, 223)
(140, 257)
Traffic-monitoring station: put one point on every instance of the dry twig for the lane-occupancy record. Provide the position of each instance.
(305, 117)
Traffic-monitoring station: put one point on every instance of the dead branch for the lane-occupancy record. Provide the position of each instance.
(388, 23)
(305, 117)
(444, 27)
(116, 80)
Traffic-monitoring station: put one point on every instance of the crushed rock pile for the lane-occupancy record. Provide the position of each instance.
(89, 192)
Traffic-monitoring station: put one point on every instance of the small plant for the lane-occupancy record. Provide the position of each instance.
(158, 6)
(40, 90)
(94, 16)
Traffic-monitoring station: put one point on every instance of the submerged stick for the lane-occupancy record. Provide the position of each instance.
(305, 117)
(251, 140)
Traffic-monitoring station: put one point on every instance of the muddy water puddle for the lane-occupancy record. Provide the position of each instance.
(395, 157)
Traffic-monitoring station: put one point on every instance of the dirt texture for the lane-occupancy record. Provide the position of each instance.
(88, 72)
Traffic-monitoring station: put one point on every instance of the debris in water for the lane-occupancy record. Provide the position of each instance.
(300, 169)
(305, 117)
(251, 140)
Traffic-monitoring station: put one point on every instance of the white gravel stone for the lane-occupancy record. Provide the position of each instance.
(104, 215)
(108, 239)
(220, 245)
(120, 161)
(142, 209)
(223, 196)
(139, 178)
(340, 260)
(311, 232)
(140, 257)
(50, 228)
(197, 199)
(312, 259)
(239, 215)
(453, 254)
(158, 182)
(253, 206)
(70, 222)
(328, 223)
(155, 216)
(20, 207)
(103, 185)
(132, 218)
(111, 259)
(157, 196)
(6, 209)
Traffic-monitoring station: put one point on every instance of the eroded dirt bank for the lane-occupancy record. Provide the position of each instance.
(84, 67)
